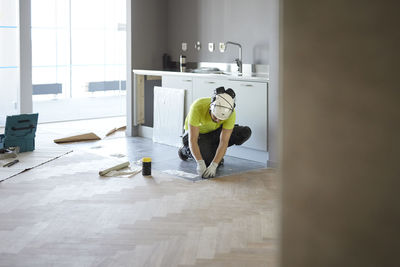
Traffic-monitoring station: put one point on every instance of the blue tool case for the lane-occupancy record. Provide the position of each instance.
(20, 132)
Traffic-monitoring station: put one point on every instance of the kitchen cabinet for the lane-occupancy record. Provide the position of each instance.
(180, 82)
(204, 87)
(251, 110)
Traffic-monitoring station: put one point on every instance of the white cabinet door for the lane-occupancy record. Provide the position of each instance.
(204, 87)
(180, 82)
(168, 115)
(251, 110)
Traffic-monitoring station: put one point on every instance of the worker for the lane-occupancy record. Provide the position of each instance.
(209, 129)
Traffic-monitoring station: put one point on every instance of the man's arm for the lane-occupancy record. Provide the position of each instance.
(223, 145)
(194, 148)
(193, 142)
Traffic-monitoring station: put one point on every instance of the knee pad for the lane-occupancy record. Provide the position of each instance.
(243, 133)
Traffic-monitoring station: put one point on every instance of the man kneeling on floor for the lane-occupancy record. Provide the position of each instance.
(209, 129)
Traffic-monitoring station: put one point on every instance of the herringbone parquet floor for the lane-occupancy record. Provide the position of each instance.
(64, 214)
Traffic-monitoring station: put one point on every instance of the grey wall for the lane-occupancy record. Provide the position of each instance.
(149, 33)
(253, 23)
(246, 22)
(160, 26)
(25, 53)
(146, 43)
(273, 34)
(341, 129)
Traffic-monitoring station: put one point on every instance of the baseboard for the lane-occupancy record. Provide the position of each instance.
(145, 131)
(248, 153)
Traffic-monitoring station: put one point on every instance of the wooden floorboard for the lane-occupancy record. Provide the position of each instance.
(64, 214)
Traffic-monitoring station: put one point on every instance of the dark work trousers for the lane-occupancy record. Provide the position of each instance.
(208, 143)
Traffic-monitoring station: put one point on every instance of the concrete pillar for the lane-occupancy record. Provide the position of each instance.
(341, 133)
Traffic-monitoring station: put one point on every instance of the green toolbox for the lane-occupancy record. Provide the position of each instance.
(20, 132)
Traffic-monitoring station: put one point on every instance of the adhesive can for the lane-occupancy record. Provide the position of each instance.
(146, 166)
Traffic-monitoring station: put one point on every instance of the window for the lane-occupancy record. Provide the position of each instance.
(9, 59)
(78, 58)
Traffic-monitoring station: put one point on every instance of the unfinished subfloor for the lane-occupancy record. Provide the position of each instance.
(63, 214)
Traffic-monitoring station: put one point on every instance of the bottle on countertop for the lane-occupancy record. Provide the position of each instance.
(182, 63)
(166, 61)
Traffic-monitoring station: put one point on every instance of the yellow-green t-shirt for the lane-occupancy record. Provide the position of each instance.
(199, 116)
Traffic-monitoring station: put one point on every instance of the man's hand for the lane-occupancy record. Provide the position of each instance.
(211, 170)
(201, 167)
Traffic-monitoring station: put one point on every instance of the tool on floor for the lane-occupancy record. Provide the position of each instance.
(9, 164)
(146, 166)
(78, 138)
(122, 128)
(115, 168)
(6, 153)
(20, 132)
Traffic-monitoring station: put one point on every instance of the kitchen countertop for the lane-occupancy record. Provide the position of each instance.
(255, 77)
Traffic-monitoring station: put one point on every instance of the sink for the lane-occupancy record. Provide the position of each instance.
(229, 70)
(207, 70)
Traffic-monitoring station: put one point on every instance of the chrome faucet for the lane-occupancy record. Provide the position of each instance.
(238, 61)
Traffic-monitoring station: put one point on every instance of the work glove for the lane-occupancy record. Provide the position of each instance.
(201, 167)
(211, 170)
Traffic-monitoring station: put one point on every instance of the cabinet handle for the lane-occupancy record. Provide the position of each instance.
(187, 80)
(210, 82)
(247, 85)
